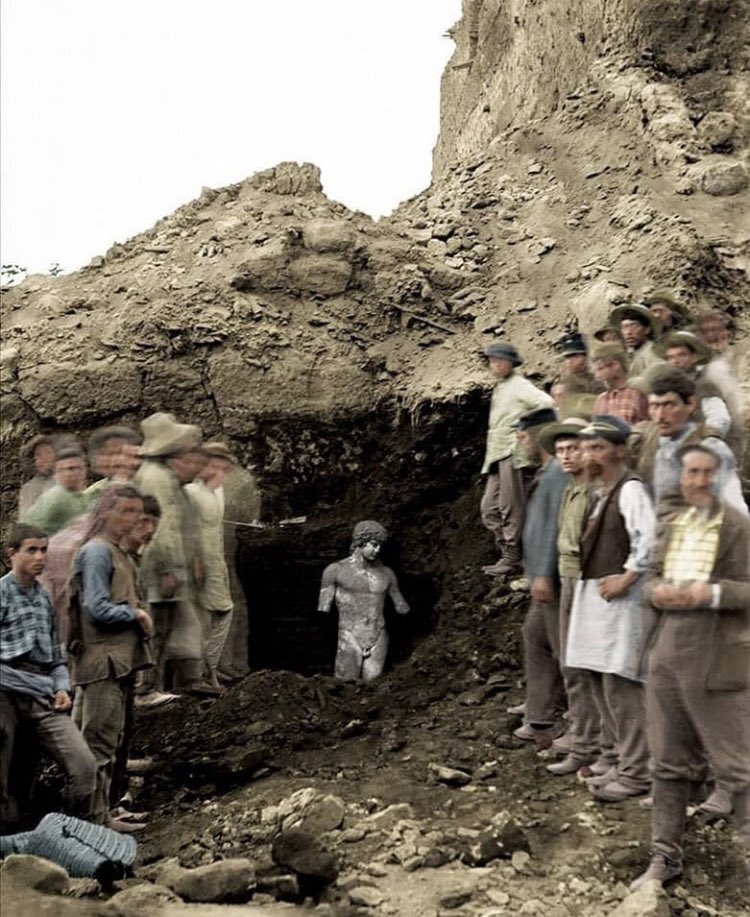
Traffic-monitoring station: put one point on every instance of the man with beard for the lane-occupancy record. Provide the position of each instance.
(358, 585)
(604, 635)
(672, 403)
(698, 692)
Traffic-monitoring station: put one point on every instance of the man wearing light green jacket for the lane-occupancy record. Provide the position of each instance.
(504, 498)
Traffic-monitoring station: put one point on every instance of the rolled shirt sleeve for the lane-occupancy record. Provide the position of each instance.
(638, 514)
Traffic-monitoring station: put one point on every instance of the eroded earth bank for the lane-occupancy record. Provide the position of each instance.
(589, 152)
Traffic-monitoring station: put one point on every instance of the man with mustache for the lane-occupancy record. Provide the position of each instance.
(698, 691)
(605, 630)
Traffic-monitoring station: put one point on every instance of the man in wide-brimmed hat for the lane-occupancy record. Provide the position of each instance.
(686, 351)
(639, 328)
(172, 458)
(667, 309)
(504, 497)
(214, 594)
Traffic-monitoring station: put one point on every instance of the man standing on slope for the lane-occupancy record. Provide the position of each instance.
(504, 499)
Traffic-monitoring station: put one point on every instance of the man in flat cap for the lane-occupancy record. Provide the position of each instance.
(576, 376)
(214, 595)
(541, 628)
(504, 499)
(358, 586)
(170, 567)
(605, 630)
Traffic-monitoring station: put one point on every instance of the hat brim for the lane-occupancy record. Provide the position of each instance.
(554, 431)
(620, 312)
(679, 339)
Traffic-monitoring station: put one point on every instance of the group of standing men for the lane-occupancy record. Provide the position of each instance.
(639, 621)
(137, 590)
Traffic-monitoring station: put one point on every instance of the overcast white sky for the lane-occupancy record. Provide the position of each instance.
(114, 113)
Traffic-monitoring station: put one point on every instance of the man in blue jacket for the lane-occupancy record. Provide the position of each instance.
(544, 685)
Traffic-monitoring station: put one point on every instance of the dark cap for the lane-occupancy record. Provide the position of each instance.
(535, 419)
(572, 344)
(503, 351)
(607, 426)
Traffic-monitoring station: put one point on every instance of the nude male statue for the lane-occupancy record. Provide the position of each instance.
(358, 585)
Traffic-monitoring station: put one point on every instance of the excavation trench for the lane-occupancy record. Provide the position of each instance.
(408, 472)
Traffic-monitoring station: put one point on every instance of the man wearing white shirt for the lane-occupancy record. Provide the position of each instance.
(207, 494)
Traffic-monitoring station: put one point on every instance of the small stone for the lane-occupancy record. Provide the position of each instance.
(535, 168)
(520, 860)
(455, 899)
(498, 897)
(387, 818)
(353, 835)
(366, 896)
(83, 888)
(449, 775)
(649, 901)
(311, 811)
(720, 176)
(139, 899)
(413, 863)
(35, 872)
(701, 908)
(437, 857)
(717, 128)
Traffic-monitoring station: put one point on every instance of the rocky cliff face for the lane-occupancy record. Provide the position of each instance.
(589, 151)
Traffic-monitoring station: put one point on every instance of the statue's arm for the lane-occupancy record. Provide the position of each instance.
(394, 592)
(327, 588)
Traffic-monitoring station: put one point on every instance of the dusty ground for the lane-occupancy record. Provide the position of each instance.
(372, 746)
(589, 152)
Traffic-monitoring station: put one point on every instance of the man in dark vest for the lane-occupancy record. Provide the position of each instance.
(698, 691)
(109, 629)
(605, 631)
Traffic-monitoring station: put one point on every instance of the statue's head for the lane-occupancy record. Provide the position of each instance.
(369, 537)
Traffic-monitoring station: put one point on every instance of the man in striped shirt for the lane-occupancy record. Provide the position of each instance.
(698, 690)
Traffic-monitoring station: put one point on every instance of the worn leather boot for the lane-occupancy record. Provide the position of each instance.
(661, 869)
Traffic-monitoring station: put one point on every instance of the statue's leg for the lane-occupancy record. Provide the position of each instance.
(375, 660)
(348, 657)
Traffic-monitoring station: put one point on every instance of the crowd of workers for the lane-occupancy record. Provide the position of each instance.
(118, 596)
(616, 495)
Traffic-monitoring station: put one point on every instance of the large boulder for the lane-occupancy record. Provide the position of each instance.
(305, 855)
(223, 881)
(35, 872)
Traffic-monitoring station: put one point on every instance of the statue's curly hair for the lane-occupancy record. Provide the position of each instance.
(369, 530)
